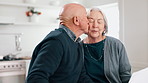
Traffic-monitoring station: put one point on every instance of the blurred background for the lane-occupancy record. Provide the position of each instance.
(24, 23)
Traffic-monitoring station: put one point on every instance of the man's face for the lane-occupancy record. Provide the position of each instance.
(84, 22)
(96, 22)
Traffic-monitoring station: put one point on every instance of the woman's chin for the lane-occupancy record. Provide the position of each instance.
(95, 35)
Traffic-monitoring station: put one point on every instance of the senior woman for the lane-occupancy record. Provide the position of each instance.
(106, 59)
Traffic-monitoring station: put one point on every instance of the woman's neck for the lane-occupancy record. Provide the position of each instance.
(90, 40)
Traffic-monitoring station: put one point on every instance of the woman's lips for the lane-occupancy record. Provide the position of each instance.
(94, 31)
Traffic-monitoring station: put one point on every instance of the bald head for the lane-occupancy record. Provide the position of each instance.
(74, 17)
(71, 10)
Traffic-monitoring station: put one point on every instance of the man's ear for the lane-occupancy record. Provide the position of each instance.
(76, 20)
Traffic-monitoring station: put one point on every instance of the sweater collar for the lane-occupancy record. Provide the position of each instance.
(70, 33)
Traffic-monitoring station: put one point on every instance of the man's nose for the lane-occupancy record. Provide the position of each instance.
(89, 25)
(87, 21)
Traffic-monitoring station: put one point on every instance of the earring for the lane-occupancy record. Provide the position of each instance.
(104, 32)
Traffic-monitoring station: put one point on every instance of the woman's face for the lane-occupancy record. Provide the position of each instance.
(96, 22)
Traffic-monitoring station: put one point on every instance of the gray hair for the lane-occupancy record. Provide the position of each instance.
(105, 20)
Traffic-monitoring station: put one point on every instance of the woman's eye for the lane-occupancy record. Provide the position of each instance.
(91, 20)
(100, 21)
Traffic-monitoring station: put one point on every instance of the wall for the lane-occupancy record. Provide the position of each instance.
(134, 31)
(90, 3)
(33, 33)
(133, 28)
(111, 12)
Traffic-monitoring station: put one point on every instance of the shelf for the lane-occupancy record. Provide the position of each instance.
(25, 5)
(28, 5)
(6, 23)
(32, 24)
(35, 24)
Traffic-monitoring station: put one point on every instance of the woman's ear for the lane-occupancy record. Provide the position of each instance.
(76, 20)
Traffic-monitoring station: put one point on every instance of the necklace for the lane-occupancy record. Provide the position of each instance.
(92, 56)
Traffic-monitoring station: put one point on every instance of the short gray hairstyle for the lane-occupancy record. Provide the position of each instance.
(105, 20)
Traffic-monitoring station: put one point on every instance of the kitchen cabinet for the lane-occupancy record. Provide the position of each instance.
(14, 71)
(27, 66)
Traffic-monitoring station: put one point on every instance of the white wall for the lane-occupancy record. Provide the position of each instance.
(90, 3)
(134, 31)
(32, 34)
(111, 12)
(133, 27)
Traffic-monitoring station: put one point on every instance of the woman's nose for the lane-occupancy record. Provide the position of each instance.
(95, 24)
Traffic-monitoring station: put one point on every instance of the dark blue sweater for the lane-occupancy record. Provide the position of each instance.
(57, 59)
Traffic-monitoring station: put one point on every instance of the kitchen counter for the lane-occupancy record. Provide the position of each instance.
(7, 58)
(140, 76)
